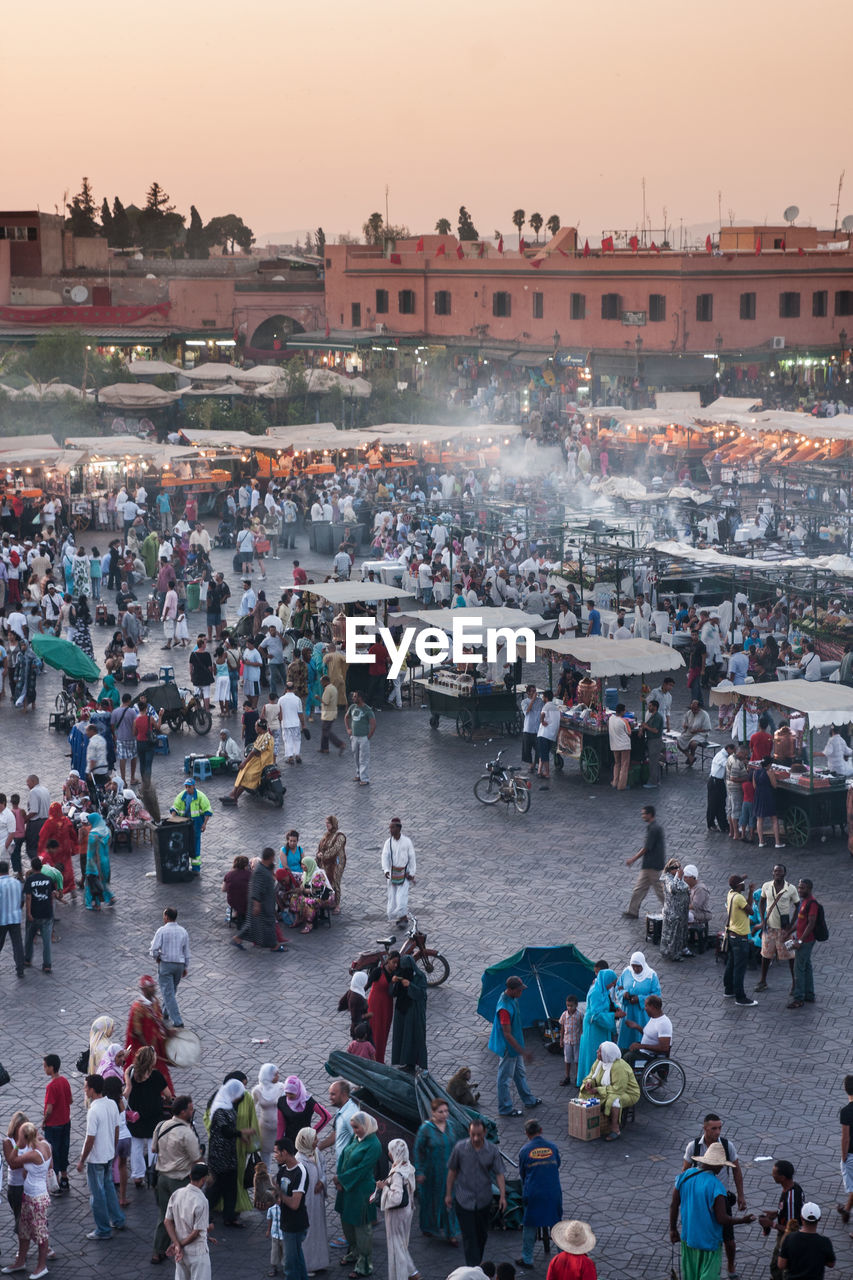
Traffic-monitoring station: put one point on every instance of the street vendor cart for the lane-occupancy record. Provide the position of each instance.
(808, 798)
(471, 703)
(583, 728)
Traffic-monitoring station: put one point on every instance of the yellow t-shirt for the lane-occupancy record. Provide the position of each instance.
(737, 910)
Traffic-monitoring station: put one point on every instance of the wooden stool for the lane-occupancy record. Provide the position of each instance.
(654, 925)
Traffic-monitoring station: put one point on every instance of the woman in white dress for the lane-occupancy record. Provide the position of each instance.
(266, 1094)
(399, 1186)
(315, 1246)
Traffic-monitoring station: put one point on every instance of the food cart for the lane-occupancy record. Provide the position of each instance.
(583, 728)
(807, 798)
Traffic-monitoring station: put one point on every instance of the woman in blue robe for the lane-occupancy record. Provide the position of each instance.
(436, 1139)
(636, 981)
(599, 1021)
(97, 879)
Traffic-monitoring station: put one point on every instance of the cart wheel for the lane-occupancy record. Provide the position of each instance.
(590, 764)
(514, 727)
(79, 522)
(559, 762)
(465, 724)
(433, 721)
(797, 826)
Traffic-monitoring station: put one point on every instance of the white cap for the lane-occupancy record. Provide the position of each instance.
(810, 1212)
(690, 870)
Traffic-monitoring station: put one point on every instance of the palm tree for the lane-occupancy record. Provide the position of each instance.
(443, 226)
(553, 224)
(518, 219)
(374, 229)
(536, 221)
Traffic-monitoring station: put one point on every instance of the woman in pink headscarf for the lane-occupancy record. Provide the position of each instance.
(297, 1110)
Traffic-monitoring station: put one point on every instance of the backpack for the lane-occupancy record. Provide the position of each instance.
(821, 930)
(697, 1146)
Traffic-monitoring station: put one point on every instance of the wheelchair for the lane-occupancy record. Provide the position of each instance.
(662, 1081)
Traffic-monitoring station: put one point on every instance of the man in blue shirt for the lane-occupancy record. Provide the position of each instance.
(507, 1041)
(594, 627)
(164, 506)
(11, 901)
(701, 1196)
(539, 1169)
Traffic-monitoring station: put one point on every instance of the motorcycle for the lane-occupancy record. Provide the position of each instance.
(500, 783)
(181, 707)
(433, 963)
(270, 787)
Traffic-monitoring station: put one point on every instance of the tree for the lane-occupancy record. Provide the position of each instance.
(320, 241)
(196, 244)
(106, 218)
(160, 227)
(443, 226)
(229, 230)
(518, 219)
(536, 221)
(309, 244)
(467, 230)
(82, 220)
(553, 224)
(120, 234)
(374, 229)
(157, 199)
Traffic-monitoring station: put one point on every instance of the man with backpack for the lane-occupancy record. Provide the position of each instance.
(810, 928)
(712, 1132)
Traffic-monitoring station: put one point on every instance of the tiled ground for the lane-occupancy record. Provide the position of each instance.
(488, 884)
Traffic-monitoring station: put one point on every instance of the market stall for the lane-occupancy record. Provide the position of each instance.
(583, 732)
(808, 798)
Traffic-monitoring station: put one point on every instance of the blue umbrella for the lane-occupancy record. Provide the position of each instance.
(550, 973)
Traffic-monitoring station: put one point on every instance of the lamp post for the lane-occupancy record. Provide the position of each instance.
(718, 343)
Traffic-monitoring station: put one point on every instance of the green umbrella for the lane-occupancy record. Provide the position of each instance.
(65, 656)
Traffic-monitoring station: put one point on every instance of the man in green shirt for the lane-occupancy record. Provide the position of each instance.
(360, 724)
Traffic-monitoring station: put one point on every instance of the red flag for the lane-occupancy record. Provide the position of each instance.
(586, 248)
(441, 251)
(783, 246)
(501, 245)
(419, 247)
(634, 243)
(758, 245)
(328, 330)
(396, 259)
(481, 249)
(654, 248)
(607, 245)
(460, 252)
(536, 262)
(709, 248)
(521, 245)
(800, 250)
(563, 252)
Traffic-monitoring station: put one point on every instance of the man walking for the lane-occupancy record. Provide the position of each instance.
(507, 1041)
(360, 724)
(737, 940)
(122, 721)
(11, 904)
(712, 1132)
(97, 1157)
(38, 896)
(187, 1221)
(170, 947)
(38, 807)
(57, 1117)
(653, 854)
(779, 902)
(328, 716)
(398, 866)
(531, 709)
(176, 1147)
(292, 1182)
(804, 941)
(700, 1196)
(473, 1165)
(715, 809)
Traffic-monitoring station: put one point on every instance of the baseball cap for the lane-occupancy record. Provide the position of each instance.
(516, 984)
(810, 1212)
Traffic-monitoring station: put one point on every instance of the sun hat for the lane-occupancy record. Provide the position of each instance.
(573, 1236)
(715, 1155)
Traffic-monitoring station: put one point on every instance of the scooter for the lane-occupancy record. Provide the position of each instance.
(433, 963)
(270, 787)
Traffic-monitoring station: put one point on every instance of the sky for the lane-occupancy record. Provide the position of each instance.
(295, 116)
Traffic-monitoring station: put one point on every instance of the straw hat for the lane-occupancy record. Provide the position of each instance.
(715, 1156)
(572, 1236)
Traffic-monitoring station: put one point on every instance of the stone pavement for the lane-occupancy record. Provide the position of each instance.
(489, 883)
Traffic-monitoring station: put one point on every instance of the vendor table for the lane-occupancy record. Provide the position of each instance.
(472, 710)
(804, 808)
(596, 758)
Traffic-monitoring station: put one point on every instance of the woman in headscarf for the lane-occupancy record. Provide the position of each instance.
(150, 552)
(408, 1037)
(297, 1108)
(98, 864)
(24, 675)
(222, 1150)
(63, 831)
(315, 1246)
(145, 1026)
(636, 981)
(676, 905)
(81, 582)
(354, 1001)
(133, 813)
(599, 1020)
(260, 756)
(74, 786)
(112, 1062)
(398, 1203)
(612, 1080)
(248, 1140)
(314, 889)
(101, 1036)
(435, 1141)
(82, 637)
(266, 1094)
(380, 1003)
(315, 671)
(332, 857)
(355, 1180)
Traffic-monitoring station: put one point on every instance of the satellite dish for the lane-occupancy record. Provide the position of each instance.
(791, 213)
(79, 293)
(847, 223)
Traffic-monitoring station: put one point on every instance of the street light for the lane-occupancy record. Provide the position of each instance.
(718, 343)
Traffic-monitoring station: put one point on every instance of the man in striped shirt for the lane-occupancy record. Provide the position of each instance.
(11, 902)
(170, 947)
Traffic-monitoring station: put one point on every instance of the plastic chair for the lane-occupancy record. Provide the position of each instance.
(166, 675)
(162, 748)
(202, 769)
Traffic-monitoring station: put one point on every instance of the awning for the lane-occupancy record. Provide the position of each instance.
(823, 702)
(352, 592)
(531, 360)
(486, 618)
(123, 335)
(616, 657)
(838, 564)
(135, 396)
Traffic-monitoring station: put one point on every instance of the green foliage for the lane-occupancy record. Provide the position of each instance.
(443, 226)
(467, 230)
(63, 355)
(518, 220)
(82, 213)
(536, 220)
(374, 229)
(229, 230)
(197, 244)
(219, 415)
(320, 241)
(106, 218)
(120, 235)
(59, 418)
(159, 226)
(553, 224)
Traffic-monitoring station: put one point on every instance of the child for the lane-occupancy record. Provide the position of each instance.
(571, 1026)
(746, 810)
(182, 634)
(360, 1045)
(95, 570)
(276, 1238)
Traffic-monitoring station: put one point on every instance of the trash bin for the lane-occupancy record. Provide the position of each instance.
(173, 846)
(320, 537)
(193, 592)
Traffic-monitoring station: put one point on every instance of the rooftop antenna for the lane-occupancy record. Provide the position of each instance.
(838, 200)
(720, 208)
(644, 212)
(791, 214)
(386, 204)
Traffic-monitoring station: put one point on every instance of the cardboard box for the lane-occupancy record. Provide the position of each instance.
(585, 1122)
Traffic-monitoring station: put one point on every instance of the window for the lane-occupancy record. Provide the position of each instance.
(356, 315)
(501, 304)
(328, 262)
(657, 307)
(19, 233)
(382, 302)
(844, 302)
(747, 306)
(779, 243)
(789, 306)
(705, 307)
(406, 302)
(442, 302)
(538, 306)
(610, 306)
(820, 300)
(32, 233)
(578, 306)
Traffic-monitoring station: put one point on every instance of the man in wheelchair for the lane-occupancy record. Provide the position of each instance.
(656, 1041)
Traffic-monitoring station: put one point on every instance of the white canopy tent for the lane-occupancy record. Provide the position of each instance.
(616, 657)
(136, 396)
(36, 444)
(487, 618)
(212, 371)
(152, 368)
(352, 592)
(840, 564)
(823, 702)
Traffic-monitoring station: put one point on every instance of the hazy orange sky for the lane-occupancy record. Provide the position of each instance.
(296, 115)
